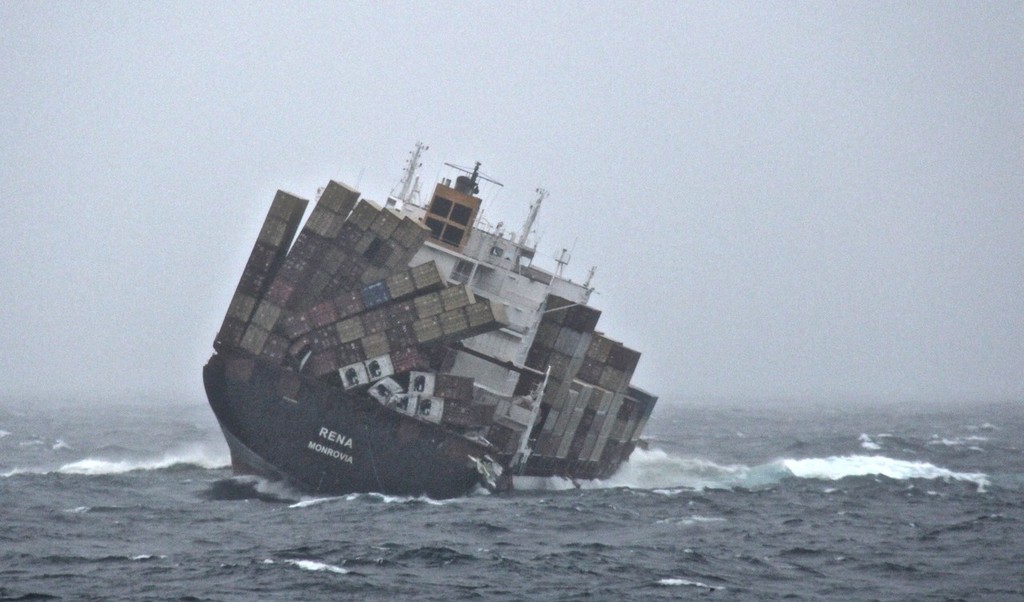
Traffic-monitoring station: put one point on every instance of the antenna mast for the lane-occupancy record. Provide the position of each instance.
(410, 182)
(534, 210)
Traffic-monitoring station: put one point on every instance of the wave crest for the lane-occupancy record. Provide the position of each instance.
(195, 455)
(838, 467)
(660, 471)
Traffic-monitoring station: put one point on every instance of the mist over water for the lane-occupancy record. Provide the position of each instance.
(732, 501)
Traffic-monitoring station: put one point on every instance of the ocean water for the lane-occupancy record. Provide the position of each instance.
(134, 500)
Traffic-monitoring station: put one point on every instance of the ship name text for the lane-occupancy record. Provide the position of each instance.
(336, 438)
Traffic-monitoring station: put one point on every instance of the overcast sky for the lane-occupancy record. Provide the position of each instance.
(783, 200)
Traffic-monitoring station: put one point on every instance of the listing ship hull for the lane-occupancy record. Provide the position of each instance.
(329, 442)
(404, 350)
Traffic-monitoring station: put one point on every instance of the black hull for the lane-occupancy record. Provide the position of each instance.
(325, 441)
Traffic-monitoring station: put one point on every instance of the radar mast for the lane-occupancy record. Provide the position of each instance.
(410, 181)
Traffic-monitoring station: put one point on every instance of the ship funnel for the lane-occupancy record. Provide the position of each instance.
(466, 185)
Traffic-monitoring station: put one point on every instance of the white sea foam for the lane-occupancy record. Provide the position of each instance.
(4, 433)
(657, 469)
(957, 441)
(661, 472)
(839, 467)
(60, 444)
(664, 473)
(675, 581)
(867, 443)
(305, 503)
(196, 455)
(312, 565)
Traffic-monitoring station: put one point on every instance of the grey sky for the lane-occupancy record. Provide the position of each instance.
(809, 200)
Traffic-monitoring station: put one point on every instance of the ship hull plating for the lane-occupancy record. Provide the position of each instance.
(324, 441)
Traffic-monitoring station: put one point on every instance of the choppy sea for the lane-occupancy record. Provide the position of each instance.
(134, 500)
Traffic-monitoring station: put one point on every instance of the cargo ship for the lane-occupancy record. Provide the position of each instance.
(410, 348)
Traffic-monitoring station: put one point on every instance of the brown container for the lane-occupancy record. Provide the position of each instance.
(405, 360)
(403, 312)
(374, 321)
(324, 339)
(322, 314)
(348, 304)
(280, 292)
(401, 336)
(351, 352)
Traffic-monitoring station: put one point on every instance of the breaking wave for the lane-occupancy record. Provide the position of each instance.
(657, 470)
(306, 502)
(197, 455)
(312, 565)
(839, 467)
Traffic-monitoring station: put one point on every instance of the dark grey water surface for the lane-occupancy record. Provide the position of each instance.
(134, 500)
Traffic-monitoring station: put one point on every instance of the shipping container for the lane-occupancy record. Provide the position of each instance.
(350, 329)
(427, 329)
(375, 294)
(453, 323)
(456, 297)
(364, 214)
(428, 305)
(581, 318)
(379, 367)
(375, 344)
(427, 275)
(254, 339)
(450, 386)
(338, 198)
(400, 284)
(405, 360)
